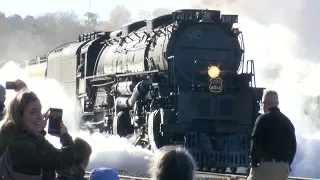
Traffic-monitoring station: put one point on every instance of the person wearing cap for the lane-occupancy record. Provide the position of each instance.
(273, 142)
(103, 174)
(77, 172)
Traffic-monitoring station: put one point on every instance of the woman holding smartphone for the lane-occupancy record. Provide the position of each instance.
(24, 150)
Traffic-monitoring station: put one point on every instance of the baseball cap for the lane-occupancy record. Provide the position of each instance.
(103, 174)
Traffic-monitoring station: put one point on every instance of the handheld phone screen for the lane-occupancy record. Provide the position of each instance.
(11, 85)
(55, 118)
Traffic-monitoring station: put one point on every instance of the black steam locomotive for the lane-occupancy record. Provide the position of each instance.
(177, 79)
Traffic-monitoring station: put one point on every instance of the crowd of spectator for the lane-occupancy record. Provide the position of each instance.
(25, 154)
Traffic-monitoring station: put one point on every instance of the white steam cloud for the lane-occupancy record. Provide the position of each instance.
(278, 68)
(279, 37)
(111, 151)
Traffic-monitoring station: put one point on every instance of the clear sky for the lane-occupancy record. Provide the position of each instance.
(102, 7)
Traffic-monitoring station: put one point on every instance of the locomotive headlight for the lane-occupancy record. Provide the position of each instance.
(213, 71)
(174, 28)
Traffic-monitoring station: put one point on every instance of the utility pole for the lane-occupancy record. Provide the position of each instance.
(88, 13)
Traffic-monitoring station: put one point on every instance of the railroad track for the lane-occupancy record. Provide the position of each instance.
(121, 177)
(215, 176)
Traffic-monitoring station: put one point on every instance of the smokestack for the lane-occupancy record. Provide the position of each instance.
(206, 18)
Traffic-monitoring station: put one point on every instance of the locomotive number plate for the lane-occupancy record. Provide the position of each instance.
(229, 18)
(182, 16)
(216, 85)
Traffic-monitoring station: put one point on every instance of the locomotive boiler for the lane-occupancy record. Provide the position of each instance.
(176, 79)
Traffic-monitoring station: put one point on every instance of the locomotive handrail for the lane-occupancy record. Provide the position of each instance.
(29, 63)
(61, 46)
(135, 73)
(241, 66)
(121, 75)
(98, 76)
(99, 85)
(252, 71)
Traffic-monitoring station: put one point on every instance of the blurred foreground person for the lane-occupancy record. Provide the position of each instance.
(83, 152)
(172, 163)
(2, 100)
(24, 151)
(273, 144)
(20, 85)
(103, 174)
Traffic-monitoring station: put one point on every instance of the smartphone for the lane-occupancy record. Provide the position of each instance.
(11, 85)
(55, 118)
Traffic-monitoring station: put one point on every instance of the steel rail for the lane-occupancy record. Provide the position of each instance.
(215, 176)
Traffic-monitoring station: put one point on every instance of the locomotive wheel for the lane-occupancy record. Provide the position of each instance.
(156, 139)
(234, 170)
(221, 169)
(208, 169)
(122, 124)
(247, 171)
(201, 168)
(224, 169)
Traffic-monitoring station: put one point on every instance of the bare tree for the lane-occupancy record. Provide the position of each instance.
(91, 19)
(4, 25)
(24, 38)
(28, 18)
(145, 15)
(161, 11)
(106, 26)
(2, 15)
(15, 21)
(120, 15)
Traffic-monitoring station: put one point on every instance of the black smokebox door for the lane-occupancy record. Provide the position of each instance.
(55, 118)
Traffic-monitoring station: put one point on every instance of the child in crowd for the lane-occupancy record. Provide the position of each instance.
(83, 153)
(103, 174)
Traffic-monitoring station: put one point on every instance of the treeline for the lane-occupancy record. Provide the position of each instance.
(23, 38)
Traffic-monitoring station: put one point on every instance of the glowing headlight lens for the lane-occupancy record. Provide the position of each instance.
(213, 71)
(174, 28)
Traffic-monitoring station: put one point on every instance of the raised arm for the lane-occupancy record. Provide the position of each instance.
(58, 159)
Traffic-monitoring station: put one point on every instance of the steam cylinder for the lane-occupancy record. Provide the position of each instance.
(124, 88)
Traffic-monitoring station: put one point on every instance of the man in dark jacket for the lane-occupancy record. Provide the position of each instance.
(273, 142)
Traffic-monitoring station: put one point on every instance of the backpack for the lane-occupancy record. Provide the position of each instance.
(6, 172)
